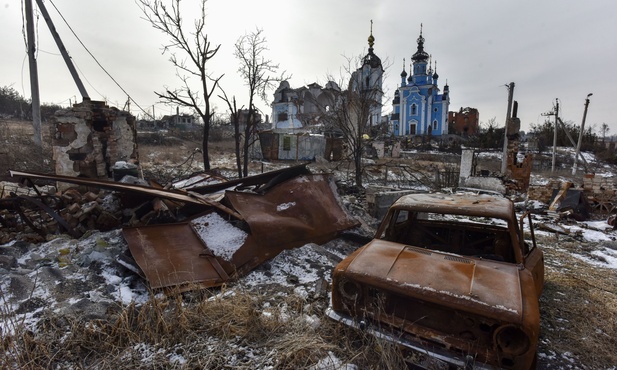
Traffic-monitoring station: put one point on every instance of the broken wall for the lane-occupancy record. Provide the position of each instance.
(467, 178)
(89, 138)
(601, 192)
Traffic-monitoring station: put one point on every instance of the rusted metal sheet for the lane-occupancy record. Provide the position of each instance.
(177, 195)
(298, 211)
(290, 214)
(303, 208)
(174, 255)
(257, 183)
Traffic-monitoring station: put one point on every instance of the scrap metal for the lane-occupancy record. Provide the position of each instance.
(297, 211)
(174, 255)
(173, 194)
(279, 210)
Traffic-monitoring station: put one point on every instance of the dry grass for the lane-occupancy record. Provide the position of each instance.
(578, 306)
(18, 152)
(233, 329)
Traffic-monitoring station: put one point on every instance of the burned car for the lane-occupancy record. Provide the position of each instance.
(450, 277)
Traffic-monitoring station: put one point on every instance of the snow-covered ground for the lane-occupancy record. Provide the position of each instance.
(88, 276)
(94, 275)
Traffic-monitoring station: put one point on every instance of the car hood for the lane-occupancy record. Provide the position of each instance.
(476, 285)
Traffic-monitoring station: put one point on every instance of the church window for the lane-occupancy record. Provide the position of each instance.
(287, 143)
(414, 109)
(282, 116)
(435, 109)
(435, 125)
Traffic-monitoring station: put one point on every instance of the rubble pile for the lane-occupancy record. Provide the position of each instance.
(600, 192)
(90, 211)
(34, 218)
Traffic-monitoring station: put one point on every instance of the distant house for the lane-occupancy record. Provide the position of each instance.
(178, 120)
(464, 122)
(243, 117)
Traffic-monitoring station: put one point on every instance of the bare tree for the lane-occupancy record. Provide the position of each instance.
(190, 52)
(604, 129)
(234, 118)
(260, 75)
(357, 109)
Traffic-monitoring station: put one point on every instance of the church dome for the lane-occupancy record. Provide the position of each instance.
(420, 55)
(371, 59)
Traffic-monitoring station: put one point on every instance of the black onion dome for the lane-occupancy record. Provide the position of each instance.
(420, 55)
(371, 59)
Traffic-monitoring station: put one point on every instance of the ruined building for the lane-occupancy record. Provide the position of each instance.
(368, 81)
(301, 107)
(464, 122)
(418, 108)
(90, 138)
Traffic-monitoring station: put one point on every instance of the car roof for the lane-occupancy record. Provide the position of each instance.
(460, 204)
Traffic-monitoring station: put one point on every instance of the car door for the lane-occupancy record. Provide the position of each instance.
(533, 256)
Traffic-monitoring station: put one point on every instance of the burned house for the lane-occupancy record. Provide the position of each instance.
(465, 122)
(89, 138)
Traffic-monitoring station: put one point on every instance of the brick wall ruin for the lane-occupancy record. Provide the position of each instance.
(601, 192)
(89, 138)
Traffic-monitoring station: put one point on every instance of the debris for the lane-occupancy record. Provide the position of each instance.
(612, 221)
(554, 228)
(572, 201)
(277, 210)
(174, 255)
(312, 214)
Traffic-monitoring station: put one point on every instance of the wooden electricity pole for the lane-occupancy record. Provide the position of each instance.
(555, 135)
(504, 159)
(580, 135)
(62, 49)
(34, 77)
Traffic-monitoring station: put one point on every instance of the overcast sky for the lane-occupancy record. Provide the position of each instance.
(550, 49)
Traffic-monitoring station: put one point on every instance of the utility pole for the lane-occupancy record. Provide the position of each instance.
(555, 135)
(504, 159)
(34, 77)
(580, 135)
(554, 112)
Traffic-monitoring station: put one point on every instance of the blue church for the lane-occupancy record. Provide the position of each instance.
(418, 106)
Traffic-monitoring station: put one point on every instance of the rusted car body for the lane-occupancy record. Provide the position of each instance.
(449, 276)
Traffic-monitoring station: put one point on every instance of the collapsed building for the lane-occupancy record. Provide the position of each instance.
(90, 138)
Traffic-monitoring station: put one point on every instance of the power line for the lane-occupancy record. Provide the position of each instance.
(97, 62)
(86, 78)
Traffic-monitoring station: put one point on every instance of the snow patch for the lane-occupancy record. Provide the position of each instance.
(284, 206)
(220, 236)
